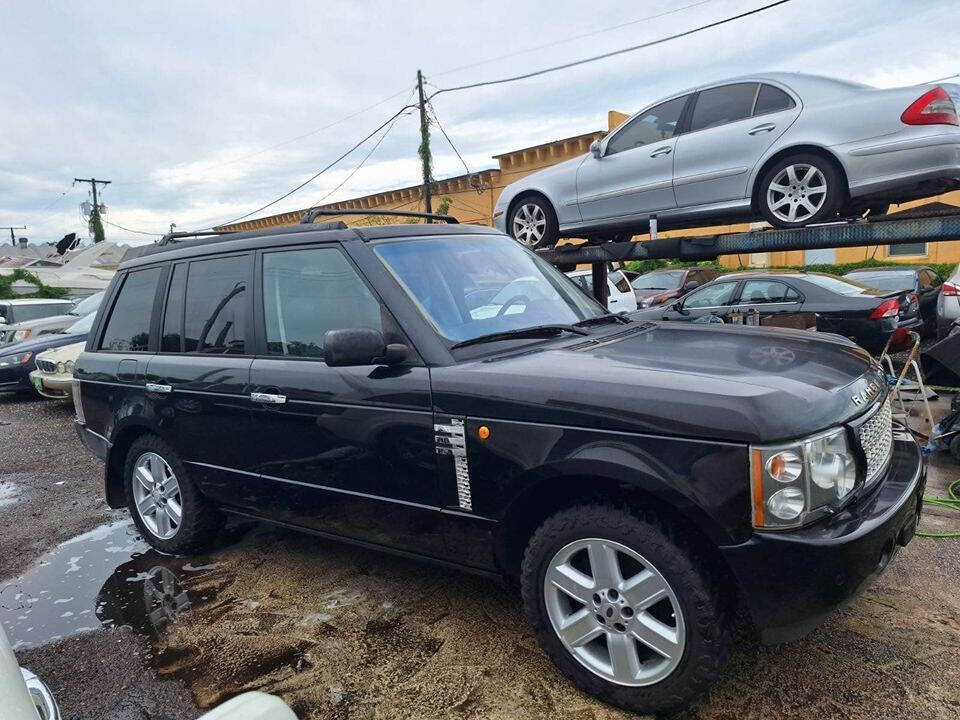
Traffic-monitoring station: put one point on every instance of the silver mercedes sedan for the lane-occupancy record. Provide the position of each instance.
(788, 148)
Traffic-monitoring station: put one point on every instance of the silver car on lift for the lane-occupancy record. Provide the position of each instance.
(788, 148)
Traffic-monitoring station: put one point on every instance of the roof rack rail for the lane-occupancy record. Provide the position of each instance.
(176, 236)
(313, 214)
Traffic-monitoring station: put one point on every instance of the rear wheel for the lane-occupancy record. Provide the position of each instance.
(166, 506)
(800, 190)
(624, 608)
(533, 222)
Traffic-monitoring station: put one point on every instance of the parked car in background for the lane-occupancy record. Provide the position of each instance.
(22, 310)
(948, 304)
(798, 300)
(620, 296)
(787, 148)
(53, 377)
(17, 361)
(921, 281)
(27, 329)
(660, 286)
(23, 696)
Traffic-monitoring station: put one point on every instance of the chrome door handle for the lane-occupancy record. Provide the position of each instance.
(158, 388)
(268, 398)
(766, 127)
(661, 151)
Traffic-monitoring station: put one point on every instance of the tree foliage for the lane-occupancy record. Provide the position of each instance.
(42, 291)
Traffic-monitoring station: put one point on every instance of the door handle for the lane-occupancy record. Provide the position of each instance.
(268, 398)
(661, 151)
(158, 388)
(766, 127)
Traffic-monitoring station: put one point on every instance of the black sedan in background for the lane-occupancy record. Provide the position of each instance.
(798, 300)
(660, 286)
(922, 281)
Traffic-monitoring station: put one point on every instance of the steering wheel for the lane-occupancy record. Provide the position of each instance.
(512, 301)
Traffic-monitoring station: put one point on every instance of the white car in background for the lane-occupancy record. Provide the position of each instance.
(620, 295)
(24, 696)
(53, 377)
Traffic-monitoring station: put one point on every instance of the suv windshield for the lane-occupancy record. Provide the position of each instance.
(658, 280)
(478, 285)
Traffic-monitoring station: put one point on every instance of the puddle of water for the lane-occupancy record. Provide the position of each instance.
(108, 576)
(9, 493)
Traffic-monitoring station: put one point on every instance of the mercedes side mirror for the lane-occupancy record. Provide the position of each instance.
(595, 148)
(351, 347)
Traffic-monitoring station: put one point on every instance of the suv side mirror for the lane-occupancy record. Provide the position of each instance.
(360, 346)
(691, 285)
(595, 148)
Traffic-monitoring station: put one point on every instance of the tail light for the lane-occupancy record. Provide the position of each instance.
(949, 289)
(888, 308)
(934, 107)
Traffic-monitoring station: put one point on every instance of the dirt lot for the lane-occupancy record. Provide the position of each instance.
(342, 632)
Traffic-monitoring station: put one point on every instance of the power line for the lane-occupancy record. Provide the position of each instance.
(320, 172)
(58, 198)
(613, 53)
(436, 119)
(138, 232)
(571, 38)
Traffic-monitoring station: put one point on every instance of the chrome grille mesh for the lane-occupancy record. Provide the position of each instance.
(46, 366)
(876, 440)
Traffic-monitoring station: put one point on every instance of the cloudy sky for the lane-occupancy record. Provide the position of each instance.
(202, 112)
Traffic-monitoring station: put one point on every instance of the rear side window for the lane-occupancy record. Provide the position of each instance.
(215, 319)
(771, 99)
(721, 105)
(309, 292)
(128, 327)
(766, 291)
(22, 313)
(171, 337)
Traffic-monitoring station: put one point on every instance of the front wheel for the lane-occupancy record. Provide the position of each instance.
(623, 608)
(532, 222)
(800, 190)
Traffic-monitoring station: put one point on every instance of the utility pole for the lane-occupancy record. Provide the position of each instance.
(424, 150)
(96, 227)
(11, 228)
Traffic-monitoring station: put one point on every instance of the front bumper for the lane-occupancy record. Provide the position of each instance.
(57, 387)
(791, 581)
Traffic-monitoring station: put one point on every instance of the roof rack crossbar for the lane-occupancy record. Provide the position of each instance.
(313, 214)
(175, 236)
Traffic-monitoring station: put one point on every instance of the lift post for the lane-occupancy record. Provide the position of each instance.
(885, 230)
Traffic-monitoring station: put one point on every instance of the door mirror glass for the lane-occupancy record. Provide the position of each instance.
(360, 346)
(595, 148)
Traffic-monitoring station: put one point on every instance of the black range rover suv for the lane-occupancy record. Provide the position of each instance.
(440, 391)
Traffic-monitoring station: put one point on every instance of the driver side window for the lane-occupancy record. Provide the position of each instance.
(657, 123)
(710, 296)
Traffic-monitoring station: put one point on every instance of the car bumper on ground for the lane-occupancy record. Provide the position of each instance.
(58, 387)
(792, 581)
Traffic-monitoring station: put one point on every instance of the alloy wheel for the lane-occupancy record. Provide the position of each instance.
(797, 193)
(156, 494)
(529, 224)
(614, 612)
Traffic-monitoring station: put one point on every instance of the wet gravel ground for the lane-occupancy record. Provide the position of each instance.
(343, 632)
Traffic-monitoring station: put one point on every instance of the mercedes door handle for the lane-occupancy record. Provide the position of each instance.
(268, 398)
(661, 151)
(158, 388)
(766, 127)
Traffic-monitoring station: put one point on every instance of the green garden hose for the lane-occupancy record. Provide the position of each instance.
(951, 502)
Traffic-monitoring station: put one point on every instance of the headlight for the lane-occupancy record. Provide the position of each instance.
(794, 483)
(60, 368)
(68, 367)
(19, 359)
(20, 335)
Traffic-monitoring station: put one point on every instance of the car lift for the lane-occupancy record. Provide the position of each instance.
(936, 226)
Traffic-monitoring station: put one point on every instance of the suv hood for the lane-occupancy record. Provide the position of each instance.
(740, 384)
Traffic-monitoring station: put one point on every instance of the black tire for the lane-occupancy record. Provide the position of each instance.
(536, 207)
(707, 616)
(827, 210)
(200, 520)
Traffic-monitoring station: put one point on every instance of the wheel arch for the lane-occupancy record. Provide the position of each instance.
(796, 150)
(550, 490)
(524, 194)
(123, 439)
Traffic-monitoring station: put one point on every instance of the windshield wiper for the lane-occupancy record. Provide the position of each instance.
(602, 319)
(531, 332)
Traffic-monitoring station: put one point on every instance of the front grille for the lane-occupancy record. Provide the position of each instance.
(47, 366)
(876, 441)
